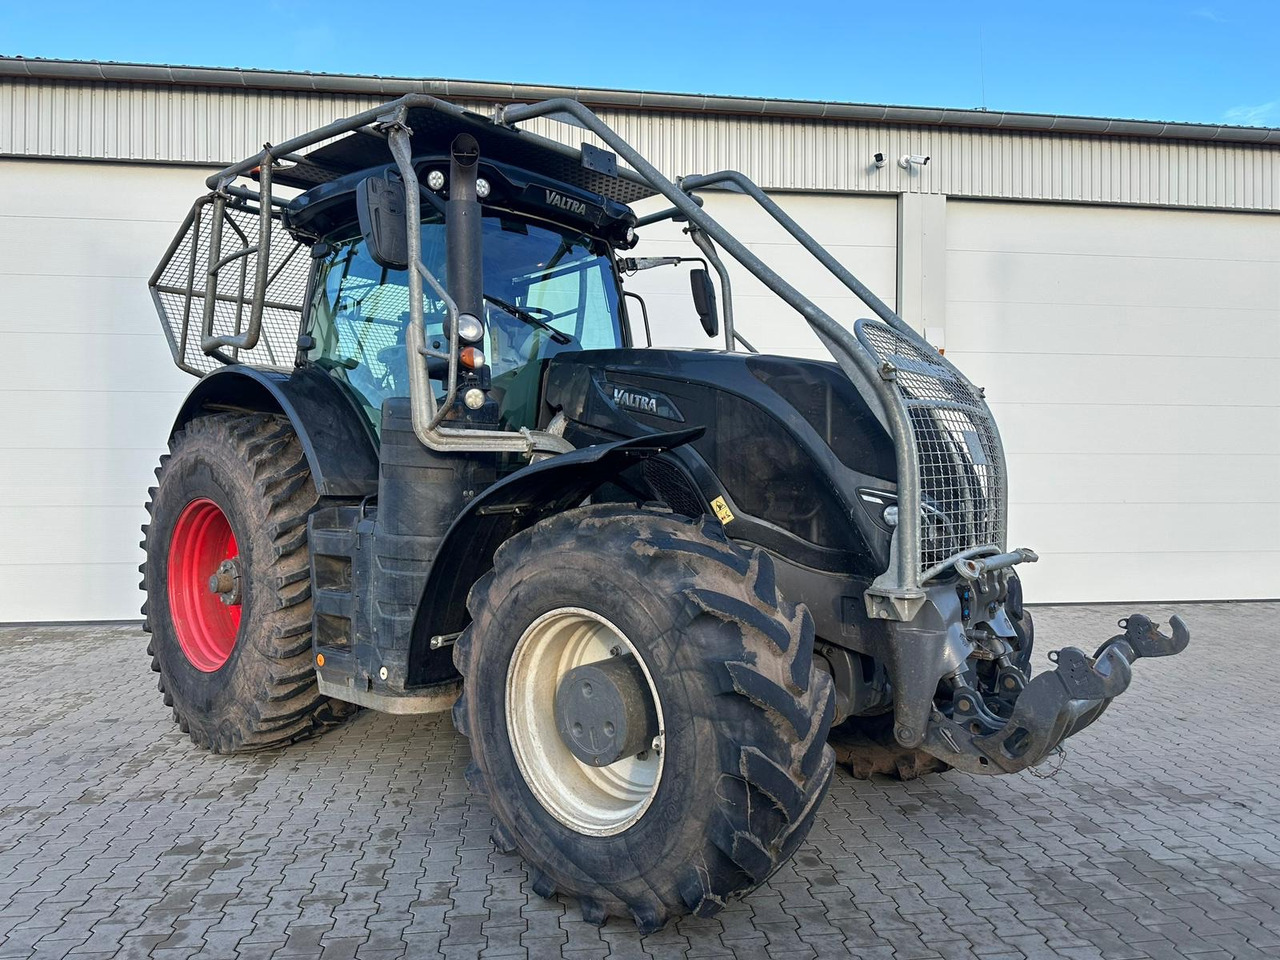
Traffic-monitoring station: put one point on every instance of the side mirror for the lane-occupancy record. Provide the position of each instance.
(704, 301)
(380, 209)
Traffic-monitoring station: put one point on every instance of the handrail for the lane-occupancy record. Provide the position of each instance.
(708, 249)
(799, 234)
(427, 415)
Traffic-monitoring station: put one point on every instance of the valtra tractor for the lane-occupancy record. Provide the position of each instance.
(426, 467)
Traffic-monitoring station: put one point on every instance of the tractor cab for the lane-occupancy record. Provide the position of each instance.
(540, 277)
(549, 288)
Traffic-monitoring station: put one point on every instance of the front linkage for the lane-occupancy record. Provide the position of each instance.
(1053, 705)
(991, 716)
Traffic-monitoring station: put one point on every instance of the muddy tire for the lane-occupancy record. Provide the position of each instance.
(238, 675)
(745, 716)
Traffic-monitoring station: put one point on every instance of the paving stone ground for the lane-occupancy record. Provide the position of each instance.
(1159, 836)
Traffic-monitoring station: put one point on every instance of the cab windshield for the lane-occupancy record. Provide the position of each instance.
(559, 277)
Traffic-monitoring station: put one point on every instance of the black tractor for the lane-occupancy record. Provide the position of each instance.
(427, 467)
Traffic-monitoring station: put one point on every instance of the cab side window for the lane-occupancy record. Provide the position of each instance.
(360, 314)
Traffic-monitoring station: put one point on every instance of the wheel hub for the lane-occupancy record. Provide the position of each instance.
(226, 582)
(572, 676)
(604, 711)
(204, 584)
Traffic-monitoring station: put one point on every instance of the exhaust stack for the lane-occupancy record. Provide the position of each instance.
(464, 276)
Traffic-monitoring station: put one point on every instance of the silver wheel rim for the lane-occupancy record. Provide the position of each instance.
(599, 801)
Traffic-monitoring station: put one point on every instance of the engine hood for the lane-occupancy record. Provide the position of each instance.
(802, 462)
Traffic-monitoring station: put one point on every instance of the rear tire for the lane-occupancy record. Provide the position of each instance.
(245, 681)
(745, 763)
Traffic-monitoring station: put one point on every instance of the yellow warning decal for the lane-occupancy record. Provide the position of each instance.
(722, 509)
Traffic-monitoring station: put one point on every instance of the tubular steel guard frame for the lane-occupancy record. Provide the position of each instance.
(918, 430)
(896, 594)
(387, 119)
(189, 272)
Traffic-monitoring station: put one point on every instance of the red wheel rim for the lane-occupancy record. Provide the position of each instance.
(206, 627)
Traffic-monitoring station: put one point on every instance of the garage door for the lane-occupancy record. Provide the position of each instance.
(861, 232)
(88, 388)
(1131, 357)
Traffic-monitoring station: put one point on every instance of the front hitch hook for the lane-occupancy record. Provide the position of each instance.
(1144, 639)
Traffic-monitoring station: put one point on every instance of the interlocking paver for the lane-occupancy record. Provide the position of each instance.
(1159, 836)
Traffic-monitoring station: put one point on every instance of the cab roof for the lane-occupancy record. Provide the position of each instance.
(433, 132)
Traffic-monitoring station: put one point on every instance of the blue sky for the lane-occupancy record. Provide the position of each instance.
(1215, 62)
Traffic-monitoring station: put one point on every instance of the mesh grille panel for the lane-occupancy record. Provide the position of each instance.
(180, 290)
(962, 470)
(669, 483)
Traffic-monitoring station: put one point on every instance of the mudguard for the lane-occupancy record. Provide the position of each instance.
(513, 504)
(335, 437)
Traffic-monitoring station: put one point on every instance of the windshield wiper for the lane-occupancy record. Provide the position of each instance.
(529, 318)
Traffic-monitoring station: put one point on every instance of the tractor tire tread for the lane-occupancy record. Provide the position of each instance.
(782, 766)
(291, 707)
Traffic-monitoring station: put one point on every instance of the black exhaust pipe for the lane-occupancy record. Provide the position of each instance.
(464, 275)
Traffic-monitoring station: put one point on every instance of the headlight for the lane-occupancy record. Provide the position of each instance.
(470, 328)
(932, 519)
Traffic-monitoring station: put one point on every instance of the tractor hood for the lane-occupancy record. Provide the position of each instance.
(801, 461)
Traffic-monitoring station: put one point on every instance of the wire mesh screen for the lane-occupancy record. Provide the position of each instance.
(962, 471)
(178, 287)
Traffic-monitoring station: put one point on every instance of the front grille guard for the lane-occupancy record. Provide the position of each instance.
(963, 487)
(940, 443)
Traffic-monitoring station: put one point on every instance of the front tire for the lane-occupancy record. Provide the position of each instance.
(231, 501)
(744, 714)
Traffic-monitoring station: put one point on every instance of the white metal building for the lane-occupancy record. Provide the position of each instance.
(1115, 285)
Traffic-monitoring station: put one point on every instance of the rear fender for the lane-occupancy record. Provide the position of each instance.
(515, 503)
(335, 437)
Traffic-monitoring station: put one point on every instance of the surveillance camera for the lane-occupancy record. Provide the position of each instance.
(880, 160)
(907, 159)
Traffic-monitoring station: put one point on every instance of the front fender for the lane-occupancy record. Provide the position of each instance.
(515, 503)
(335, 437)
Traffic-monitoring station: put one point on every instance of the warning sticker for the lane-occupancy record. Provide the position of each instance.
(722, 509)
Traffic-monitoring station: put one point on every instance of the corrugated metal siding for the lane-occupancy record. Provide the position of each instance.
(143, 122)
(155, 124)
